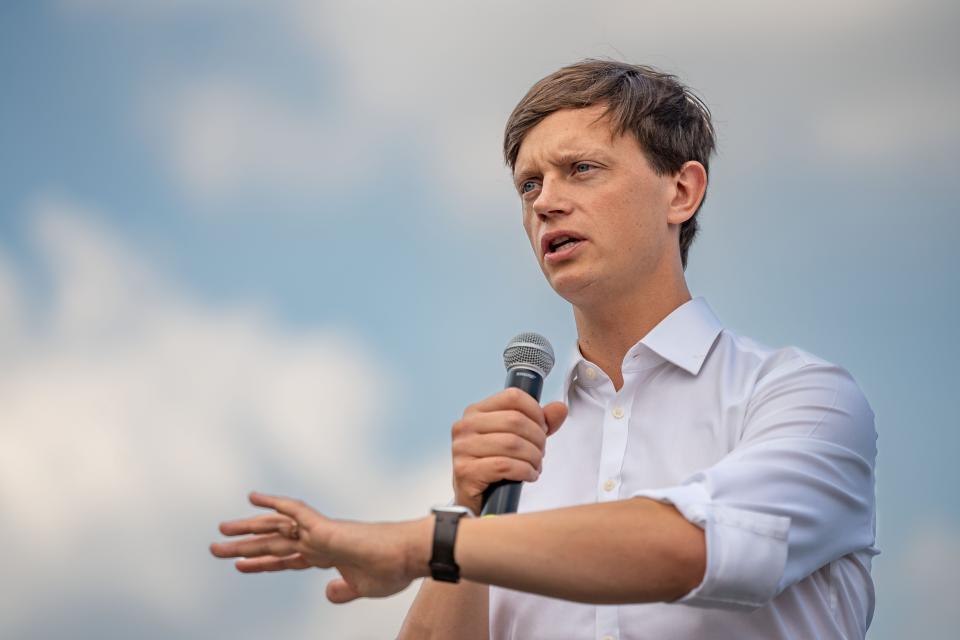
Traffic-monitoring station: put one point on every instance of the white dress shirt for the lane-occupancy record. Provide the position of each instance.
(770, 451)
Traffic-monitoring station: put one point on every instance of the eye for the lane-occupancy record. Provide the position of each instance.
(527, 186)
(582, 167)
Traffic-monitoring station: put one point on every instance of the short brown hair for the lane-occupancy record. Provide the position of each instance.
(669, 121)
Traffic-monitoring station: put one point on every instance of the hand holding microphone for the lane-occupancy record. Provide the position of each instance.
(500, 440)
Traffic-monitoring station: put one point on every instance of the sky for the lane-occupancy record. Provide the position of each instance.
(273, 246)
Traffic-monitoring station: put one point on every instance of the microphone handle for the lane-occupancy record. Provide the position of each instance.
(503, 496)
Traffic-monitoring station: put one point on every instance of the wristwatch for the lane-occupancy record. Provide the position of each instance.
(442, 565)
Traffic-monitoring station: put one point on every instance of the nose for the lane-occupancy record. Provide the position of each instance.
(552, 199)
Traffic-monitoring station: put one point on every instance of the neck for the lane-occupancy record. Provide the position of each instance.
(607, 330)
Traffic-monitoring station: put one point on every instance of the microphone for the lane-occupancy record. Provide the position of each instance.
(528, 359)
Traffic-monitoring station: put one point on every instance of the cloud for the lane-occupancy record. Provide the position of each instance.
(10, 306)
(434, 82)
(225, 140)
(133, 417)
(458, 70)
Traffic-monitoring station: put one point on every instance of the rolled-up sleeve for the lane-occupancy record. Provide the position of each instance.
(796, 493)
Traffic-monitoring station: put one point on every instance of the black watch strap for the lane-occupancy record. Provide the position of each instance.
(442, 565)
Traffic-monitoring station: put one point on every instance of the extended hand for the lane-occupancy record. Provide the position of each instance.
(374, 560)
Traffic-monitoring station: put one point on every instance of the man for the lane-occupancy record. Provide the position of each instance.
(702, 486)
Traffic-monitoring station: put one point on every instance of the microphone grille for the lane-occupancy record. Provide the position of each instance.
(530, 350)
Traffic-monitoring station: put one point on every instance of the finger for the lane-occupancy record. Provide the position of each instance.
(504, 422)
(499, 444)
(265, 545)
(494, 469)
(296, 509)
(339, 591)
(507, 399)
(555, 413)
(267, 523)
(295, 562)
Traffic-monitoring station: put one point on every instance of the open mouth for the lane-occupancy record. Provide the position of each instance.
(561, 244)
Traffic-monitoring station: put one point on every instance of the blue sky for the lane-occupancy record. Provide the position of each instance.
(238, 242)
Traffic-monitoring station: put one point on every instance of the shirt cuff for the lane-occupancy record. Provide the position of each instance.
(746, 550)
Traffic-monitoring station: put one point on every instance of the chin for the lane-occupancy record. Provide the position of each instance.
(572, 287)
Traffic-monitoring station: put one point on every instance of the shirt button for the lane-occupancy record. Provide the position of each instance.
(609, 485)
(617, 412)
(590, 373)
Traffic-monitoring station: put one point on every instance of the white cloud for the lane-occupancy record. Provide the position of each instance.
(458, 69)
(134, 417)
(10, 306)
(443, 77)
(225, 140)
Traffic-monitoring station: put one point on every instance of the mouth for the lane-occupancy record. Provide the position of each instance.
(559, 245)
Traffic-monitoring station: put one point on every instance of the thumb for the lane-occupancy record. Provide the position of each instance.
(339, 591)
(555, 413)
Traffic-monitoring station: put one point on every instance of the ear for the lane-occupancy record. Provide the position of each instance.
(690, 185)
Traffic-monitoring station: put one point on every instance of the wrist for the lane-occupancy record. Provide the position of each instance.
(419, 547)
(475, 505)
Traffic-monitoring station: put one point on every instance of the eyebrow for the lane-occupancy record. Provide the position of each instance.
(564, 158)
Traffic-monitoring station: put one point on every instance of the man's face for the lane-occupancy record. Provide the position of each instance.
(578, 180)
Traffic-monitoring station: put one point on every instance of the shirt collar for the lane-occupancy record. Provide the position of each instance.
(683, 338)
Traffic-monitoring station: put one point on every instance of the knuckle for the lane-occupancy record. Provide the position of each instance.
(465, 446)
(462, 427)
(514, 395)
(514, 444)
(516, 420)
(502, 466)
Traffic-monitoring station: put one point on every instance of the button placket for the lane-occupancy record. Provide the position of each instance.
(614, 445)
(616, 418)
(608, 623)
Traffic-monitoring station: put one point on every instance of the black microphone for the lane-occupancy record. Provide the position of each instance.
(528, 359)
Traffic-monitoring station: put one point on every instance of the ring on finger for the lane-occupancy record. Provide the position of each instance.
(294, 532)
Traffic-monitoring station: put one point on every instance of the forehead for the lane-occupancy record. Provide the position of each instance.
(567, 132)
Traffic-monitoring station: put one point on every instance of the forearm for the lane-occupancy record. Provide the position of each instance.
(628, 551)
(444, 610)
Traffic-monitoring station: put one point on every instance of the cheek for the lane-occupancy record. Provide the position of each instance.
(528, 227)
(632, 227)
(626, 215)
